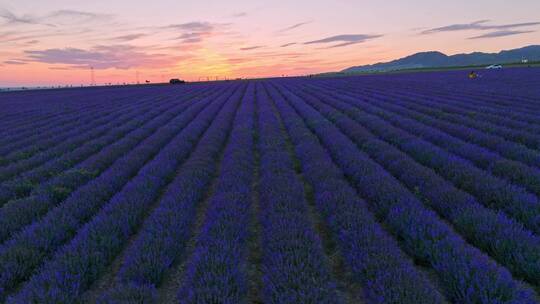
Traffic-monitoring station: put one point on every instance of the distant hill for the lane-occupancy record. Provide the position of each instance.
(440, 60)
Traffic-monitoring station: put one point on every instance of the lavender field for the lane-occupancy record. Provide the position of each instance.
(405, 188)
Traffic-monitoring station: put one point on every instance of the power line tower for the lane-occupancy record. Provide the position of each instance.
(92, 78)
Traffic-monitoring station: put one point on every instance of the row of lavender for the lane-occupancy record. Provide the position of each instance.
(293, 265)
(464, 263)
(467, 275)
(53, 188)
(283, 191)
(40, 108)
(36, 226)
(21, 176)
(48, 109)
(509, 184)
(93, 137)
(505, 122)
(505, 238)
(60, 132)
(74, 267)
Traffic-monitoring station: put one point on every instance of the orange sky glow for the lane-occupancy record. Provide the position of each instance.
(58, 42)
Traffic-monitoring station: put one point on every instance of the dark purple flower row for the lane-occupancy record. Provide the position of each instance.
(479, 105)
(22, 185)
(77, 265)
(49, 139)
(371, 254)
(505, 147)
(453, 123)
(217, 270)
(27, 250)
(46, 108)
(489, 160)
(467, 275)
(15, 139)
(479, 93)
(30, 140)
(15, 115)
(73, 151)
(466, 108)
(62, 108)
(491, 191)
(511, 170)
(515, 107)
(502, 238)
(55, 142)
(508, 149)
(294, 267)
(166, 232)
(429, 115)
(18, 213)
(24, 159)
(520, 136)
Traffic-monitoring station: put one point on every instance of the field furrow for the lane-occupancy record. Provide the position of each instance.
(405, 188)
(480, 226)
(39, 240)
(75, 266)
(425, 236)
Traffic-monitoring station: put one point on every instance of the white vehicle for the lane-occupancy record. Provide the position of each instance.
(494, 66)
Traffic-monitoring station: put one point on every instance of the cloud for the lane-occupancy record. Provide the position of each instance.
(500, 34)
(456, 27)
(294, 26)
(14, 62)
(12, 18)
(102, 57)
(53, 19)
(239, 15)
(510, 26)
(129, 37)
(196, 26)
(343, 44)
(194, 37)
(70, 16)
(344, 39)
(190, 35)
(288, 44)
(41, 34)
(197, 31)
(477, 25)
(249, 48)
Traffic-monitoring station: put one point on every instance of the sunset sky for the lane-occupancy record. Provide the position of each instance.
(53, 42)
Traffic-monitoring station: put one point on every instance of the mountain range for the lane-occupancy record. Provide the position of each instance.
(440, 60)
